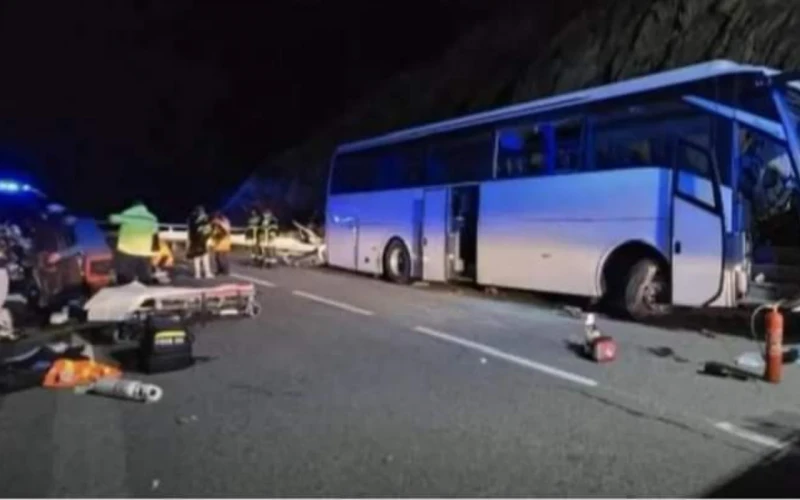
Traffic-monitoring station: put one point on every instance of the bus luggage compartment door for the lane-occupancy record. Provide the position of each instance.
(434, 235)
(342, 242)
(698, 230)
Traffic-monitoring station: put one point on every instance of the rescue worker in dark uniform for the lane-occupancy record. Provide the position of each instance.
(270, 227)
(251, 233)
(199, 234)
(261, 227)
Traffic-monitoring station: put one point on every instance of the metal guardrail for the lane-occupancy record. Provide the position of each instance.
(179, 234)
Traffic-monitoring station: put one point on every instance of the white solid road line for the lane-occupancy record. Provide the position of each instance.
(754, 437)
(256, 281)
(332, 303)
(517, 360)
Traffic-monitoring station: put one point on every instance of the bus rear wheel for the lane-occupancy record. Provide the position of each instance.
(645, 291)
(397, 263)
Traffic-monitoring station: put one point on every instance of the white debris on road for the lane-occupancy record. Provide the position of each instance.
(301, 246)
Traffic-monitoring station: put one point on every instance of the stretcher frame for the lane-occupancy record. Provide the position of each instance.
(126, 309)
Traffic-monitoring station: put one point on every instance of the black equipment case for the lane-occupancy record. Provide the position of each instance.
(166, 345)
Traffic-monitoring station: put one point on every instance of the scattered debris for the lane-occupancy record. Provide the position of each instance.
(717, 369)
(29, 368)
(132, 390)
(162, 277)
(186, 420)
(754, 360)
(59, 347)
(750, 360)
(59, 317)
(6, 325)
(791, 355)
(573, 311)
(598, 347)
(666, 352)
(705, 332)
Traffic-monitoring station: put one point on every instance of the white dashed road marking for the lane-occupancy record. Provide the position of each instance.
(751, 436)
(486, 350)
(511, 358)
(333, 303)
(256, 281)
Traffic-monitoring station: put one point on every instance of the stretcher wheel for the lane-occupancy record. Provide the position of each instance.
(117, 335)
(253, 309)
(121, 334)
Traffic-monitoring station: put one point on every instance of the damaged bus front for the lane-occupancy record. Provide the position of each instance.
(767, 222)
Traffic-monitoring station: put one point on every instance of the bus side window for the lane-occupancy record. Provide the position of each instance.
(626, 147)
(399, 166)
(691, 158)
(460, 158)
(568, 145)
(520, 152)
(414, 163)
(388, 169)
(353, 172)
(435, 171)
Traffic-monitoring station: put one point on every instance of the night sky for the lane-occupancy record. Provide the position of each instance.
(177, 101)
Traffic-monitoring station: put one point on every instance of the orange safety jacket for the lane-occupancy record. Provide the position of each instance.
(162, 257)
(221, 235)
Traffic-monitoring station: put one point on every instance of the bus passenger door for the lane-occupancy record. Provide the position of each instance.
(434, 235)
(698, 227)
(342, 241)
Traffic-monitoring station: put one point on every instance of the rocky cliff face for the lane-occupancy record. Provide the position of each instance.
(526, 53)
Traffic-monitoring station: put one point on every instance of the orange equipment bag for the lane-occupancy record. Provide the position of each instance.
(69, 373)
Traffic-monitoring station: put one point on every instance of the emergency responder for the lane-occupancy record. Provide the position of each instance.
(137, 229)
(269, 224)
(163, 260)
(253, 233)
(221, 242)
(199, 234)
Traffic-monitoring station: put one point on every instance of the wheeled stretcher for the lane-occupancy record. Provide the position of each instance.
(126, 308)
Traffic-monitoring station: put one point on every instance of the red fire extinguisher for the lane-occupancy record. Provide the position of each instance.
(773, 367)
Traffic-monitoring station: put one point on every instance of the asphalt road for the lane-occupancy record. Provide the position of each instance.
(347, 386)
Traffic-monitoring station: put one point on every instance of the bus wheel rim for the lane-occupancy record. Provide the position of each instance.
(651, 292)
(396, 262)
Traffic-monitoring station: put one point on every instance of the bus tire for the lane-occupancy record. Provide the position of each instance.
(644, 290)
(397, 263)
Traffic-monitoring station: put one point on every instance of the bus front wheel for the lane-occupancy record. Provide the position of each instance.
(397, 263)
(645, 290)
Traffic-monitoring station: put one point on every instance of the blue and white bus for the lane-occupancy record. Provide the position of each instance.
(646, 192)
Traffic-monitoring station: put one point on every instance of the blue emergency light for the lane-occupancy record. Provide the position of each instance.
(8, 186)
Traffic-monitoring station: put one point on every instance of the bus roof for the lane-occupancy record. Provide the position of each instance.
(655, 81)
